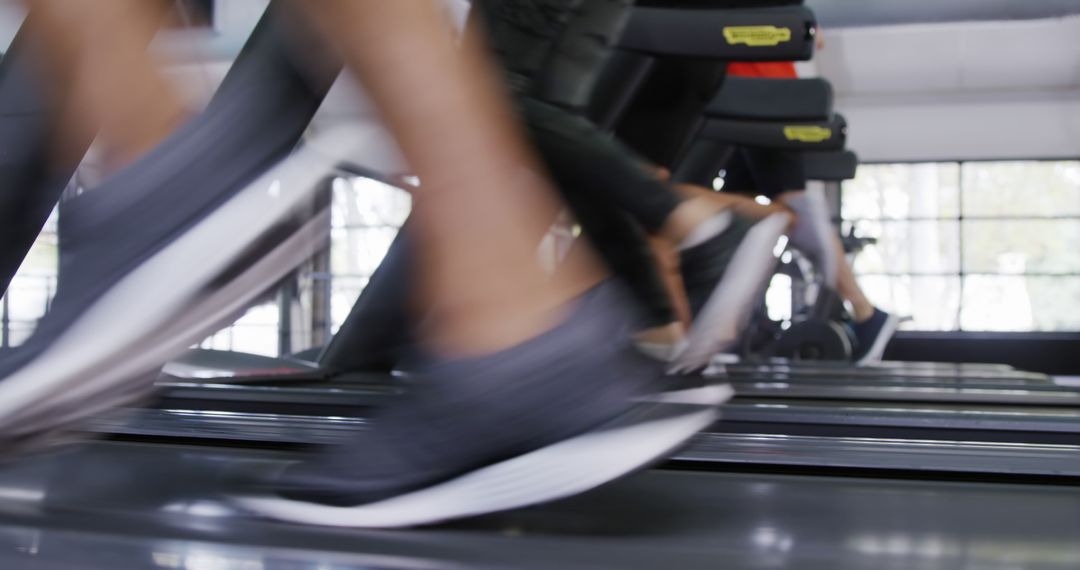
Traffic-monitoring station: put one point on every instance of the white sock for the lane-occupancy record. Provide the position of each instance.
(662, 351)
(813, 231)
(706, 230)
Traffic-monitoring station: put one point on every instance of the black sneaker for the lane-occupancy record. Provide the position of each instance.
(153, 269)
(552, 417)
(723, 277)
(872, 336)
(181, 240)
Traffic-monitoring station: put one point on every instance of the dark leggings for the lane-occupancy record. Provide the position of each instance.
(592, 166)
(609, 192)
(553, 52)
(764, 172)
(615, 199)
(663, 117)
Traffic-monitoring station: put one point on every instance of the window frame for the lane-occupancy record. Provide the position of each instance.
(962, 274)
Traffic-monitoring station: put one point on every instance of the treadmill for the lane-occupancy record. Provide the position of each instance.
(122, 505)
(31, 179)
(154, 503)
(213, 394)
(373, 330)
(797, 115)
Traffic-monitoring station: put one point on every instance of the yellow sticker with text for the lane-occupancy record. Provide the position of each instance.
(757, 36)
(807, 133)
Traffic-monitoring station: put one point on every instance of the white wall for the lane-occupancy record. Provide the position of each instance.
(958, 91)
(200, 65)
(11, 17)
(1029, 125)
(911, 92)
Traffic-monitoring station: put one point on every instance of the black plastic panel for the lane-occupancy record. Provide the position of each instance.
(832, 166)
(815, 135)
(772, 99)
(767, 34)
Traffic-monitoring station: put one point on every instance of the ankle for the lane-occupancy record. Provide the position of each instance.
(688, 217)
(661, 343)
(486, 329)
(862, 312)
(671, 333)
(475, 321)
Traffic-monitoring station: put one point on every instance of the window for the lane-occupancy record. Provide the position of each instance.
(973, 246)
(366, 216)
(191, 14)
(31, 290)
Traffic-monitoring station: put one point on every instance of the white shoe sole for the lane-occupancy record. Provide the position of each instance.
(712, 395)
(163, 306)
(730, 306)
(111, 389)
(555, 472)
(877, 350)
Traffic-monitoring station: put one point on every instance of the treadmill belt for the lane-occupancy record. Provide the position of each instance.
(118, 506)
(978, 455)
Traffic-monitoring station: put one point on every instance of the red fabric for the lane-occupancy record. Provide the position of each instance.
(776, 69)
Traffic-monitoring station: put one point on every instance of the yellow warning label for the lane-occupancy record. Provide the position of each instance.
(807, 133)
(757, 36)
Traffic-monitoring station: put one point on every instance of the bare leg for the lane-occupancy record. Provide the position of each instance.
(664, 341)
(849, 288)
(97, 58)
(579, 269)
(668, 261)
(696, 208)
(691, 213)
(481, 206)
(741, 205)
(846, 284)
(814, 234)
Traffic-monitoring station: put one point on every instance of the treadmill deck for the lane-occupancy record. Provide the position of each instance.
(153, 510)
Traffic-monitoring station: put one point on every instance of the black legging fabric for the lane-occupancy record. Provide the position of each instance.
(612, 195)
(615, 199)
(586, 161)
(552, 52)
(663, 117)
(764, 172)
